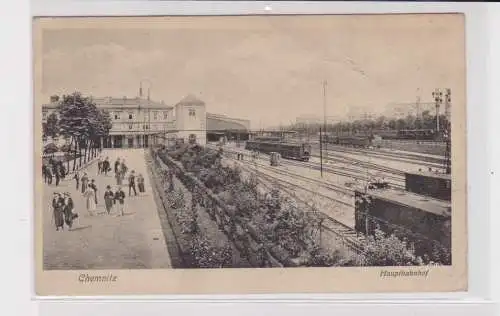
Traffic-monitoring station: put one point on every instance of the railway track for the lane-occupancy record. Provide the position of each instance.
(415, 159)
(397, 181)
(348, 235)
(396, 176)
(289, 184)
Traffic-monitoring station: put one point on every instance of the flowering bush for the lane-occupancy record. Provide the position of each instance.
(207, 256)
(382, 250)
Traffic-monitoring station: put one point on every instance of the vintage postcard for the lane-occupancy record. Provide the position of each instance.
(250, 154)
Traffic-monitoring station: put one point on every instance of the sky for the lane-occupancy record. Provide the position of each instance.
(266, 69)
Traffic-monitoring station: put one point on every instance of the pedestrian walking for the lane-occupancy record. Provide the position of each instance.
(140, 183)
(57, 174)
(118, 177)
(77, 180)
(120, 201)
(90, 200)
(94, 187)
(131, 183)
(117, 165)
(124, 169)
(109, 198)
(58, 211)
(44, 173)
(85, 182)
(69, 216)
(62, 170)
(49, 175)
(99, 166)
(106, 166)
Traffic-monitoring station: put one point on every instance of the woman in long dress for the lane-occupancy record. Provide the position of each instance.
(58, 210)
(90, 200)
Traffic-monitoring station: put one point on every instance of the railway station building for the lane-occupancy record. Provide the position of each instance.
(139, 122)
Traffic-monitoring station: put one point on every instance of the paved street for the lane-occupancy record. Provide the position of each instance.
(133, 241)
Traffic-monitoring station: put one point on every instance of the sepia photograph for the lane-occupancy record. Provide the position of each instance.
(250, 154)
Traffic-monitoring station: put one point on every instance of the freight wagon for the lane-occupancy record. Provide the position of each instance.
(299, 151)
(424, 222)
(435, 185)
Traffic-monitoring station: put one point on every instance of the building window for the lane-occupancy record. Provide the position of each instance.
(155, 115)
(130, 116)
(130, 126)
(192, 112)
(165, 115)
(44, 115)
(117, 115)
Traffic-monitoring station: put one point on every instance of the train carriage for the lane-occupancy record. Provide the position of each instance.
(299, 151)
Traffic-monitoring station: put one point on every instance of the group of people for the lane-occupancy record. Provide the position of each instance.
(120, 172)
(113, 199)
(62, 205)
(53, 169)
(103, 166)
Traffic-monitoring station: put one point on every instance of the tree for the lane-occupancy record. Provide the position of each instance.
(51, 127)
(83, 123)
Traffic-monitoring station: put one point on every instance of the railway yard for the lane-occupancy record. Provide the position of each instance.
(345, 171)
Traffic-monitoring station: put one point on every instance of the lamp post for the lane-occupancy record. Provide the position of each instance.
(144, 116)
(438, 99)
(447, 132)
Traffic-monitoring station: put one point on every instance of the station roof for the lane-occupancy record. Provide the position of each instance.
(435, 206)
(219, 124)
(121, 103)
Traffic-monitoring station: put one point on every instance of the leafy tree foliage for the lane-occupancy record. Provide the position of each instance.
(51, 127)
(83, 123)
(427, 120)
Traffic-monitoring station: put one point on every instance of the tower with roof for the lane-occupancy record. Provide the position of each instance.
(190, 116)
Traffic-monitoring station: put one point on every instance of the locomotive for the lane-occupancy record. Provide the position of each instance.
(296, 151)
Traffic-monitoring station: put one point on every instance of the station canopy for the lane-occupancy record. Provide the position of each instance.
(218, 125)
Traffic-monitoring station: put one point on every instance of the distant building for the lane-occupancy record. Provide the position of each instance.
(135, 121)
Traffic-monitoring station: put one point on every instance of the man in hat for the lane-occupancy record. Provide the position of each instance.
(105, 166)
(131, 183)
(120, 201)
(69, 216)
(117, 165)
(109, 198)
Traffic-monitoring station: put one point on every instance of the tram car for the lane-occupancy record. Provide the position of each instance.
(425, 223)
(296, 151)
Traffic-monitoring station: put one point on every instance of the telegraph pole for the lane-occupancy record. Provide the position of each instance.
(325, 83)
(321, 151)
(418, 109)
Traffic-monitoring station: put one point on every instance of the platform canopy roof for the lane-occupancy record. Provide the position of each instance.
(219, 125)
